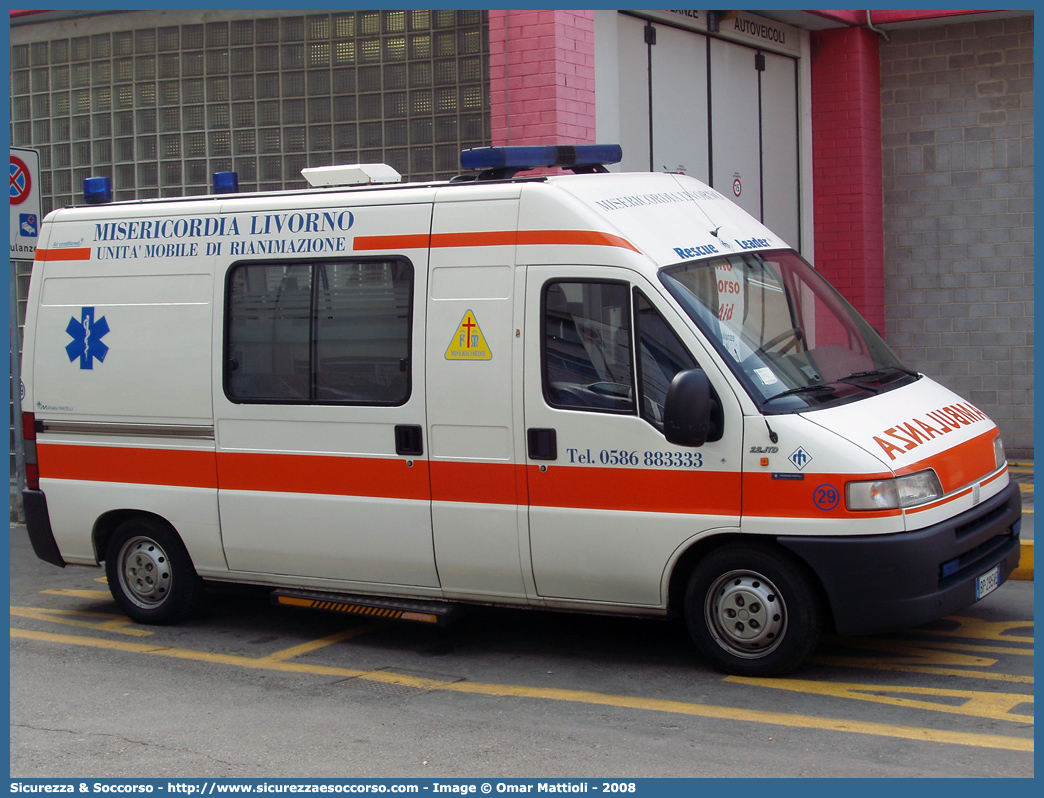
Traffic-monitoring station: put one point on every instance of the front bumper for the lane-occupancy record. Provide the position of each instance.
(882, 583)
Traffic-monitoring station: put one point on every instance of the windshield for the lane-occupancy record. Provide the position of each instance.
(792, 340)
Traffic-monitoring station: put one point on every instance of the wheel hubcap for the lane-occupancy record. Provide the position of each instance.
(144, 572)
(746, 614)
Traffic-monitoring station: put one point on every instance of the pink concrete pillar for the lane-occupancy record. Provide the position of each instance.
(542, 84)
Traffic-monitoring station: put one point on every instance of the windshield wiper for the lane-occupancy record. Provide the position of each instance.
(818, 387)
(878, 374)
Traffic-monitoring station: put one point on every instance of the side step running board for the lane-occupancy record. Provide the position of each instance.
(436, 612)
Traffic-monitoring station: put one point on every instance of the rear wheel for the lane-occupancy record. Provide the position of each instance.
(751, 610)
(150, 574)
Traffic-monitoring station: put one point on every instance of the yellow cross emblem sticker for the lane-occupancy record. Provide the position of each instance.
(468, 342)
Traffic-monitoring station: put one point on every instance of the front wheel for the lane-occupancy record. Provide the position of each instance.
(150, 573)
(751, 610)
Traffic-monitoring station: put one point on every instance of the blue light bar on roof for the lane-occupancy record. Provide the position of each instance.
(97, 190)
(226, 182)
(580, 155)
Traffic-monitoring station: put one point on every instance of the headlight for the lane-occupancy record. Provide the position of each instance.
(998, 452)
(891, 494)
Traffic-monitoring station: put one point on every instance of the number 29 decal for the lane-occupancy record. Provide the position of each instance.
(826, 497)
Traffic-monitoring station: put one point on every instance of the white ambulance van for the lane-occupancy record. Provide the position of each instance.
(600, 392)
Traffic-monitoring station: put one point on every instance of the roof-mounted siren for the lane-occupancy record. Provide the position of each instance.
(358, 174)
(226, 183)
(501, 163)
(97, 190)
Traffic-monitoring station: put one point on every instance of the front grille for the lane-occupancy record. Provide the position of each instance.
(975, 524)
(972, 561)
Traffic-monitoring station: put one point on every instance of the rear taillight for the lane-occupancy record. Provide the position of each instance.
(32, 468)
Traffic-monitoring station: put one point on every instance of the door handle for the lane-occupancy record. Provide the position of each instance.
(409, 439)
(543, 443)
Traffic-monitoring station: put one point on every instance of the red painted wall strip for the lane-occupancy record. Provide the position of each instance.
(848, 210)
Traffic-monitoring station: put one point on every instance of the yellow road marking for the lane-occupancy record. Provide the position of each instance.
(553, 694)
(110, 623)
(1024, 652)
(85, 594)
(982, 630)
(315, 645)
(914, 653)
(1025, 569)
(895, 667)
(976, 704)
(941, 657)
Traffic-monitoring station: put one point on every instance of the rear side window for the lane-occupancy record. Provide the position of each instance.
(332, 332)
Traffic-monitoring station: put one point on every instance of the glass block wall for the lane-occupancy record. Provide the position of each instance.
(160, 109)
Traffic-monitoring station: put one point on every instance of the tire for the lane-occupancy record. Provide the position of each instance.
(150, 574)
(752, 611)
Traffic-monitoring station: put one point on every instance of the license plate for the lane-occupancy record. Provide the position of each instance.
(987, 583)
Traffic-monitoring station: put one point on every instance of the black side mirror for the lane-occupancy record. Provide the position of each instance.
(687, 409)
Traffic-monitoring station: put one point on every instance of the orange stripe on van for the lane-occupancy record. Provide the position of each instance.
(584, 237)
(961, 464)
(635, 489)
(482, 483)
(946, 500)
(396, 243)
(131, 465)
(998, 475)
(376, 477)
(496, 238)
(78, 253)
(765, 497)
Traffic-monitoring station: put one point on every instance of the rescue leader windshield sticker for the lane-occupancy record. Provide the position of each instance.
(86, 341)
(468, 342)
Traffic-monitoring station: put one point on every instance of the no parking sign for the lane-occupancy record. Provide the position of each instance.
(25, 203)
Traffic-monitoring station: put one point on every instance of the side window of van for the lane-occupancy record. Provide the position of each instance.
(661, 355)
(334, 332)
(588, 363)
(587, 346)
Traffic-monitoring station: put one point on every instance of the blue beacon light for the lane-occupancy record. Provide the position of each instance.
(97, 190)
(226, 182)
(505, 161)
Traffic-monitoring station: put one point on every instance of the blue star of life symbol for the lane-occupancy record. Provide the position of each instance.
(86, 339)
